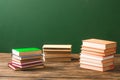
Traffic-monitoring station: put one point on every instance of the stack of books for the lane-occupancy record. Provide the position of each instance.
(57, 52)
(26, 58)
(97, 54)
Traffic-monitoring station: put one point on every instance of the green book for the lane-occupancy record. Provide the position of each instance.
(26, 51)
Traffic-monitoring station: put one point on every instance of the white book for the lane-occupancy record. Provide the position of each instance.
(27, 57)
(97, 53)
(55, 46)
(95, 64)
(96, 57)
(97, 68)
(99, 50)
(26, 63)
(98, 43)
(96, 61)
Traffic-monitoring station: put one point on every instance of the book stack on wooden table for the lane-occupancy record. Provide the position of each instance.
(57, 52)
(26, 58)
(97, 54)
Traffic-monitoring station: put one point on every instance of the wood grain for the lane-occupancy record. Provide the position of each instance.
(57, 71)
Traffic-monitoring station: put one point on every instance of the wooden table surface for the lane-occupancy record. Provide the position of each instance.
(57, 71)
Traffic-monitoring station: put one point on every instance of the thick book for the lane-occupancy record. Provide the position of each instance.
(96, 57)
(98, 43)
(26, 51)
(96, 61)
(40, 56)
(57, 54)
(57, 59)
(96, 64)
(97, 68)
(97, 53)
(18, 69)
(98, 50)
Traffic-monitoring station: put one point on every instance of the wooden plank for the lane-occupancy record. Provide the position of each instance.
(57, 71)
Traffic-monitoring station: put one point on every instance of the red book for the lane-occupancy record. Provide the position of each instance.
(28, 65)
(13, 67)
(26, 62)
(18, 69)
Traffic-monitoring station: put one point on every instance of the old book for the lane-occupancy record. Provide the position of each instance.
(18, 69)
(99, 50)
(57, 59)
(28, 65)
(96, 61)
(97, 68)
(96, 64)
(97, 53)
(40, 56)
(98, 43)
(57, 54)
(96, 57)
(26, 51)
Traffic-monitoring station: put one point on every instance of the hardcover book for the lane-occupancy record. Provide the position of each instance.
(97, 68)
(96, 57)
(18, 69)
(26, 51)
(98, 43)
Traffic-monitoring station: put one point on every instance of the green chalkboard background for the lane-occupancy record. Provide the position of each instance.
(32, 23)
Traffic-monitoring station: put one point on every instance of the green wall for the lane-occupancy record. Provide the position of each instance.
(32, 23)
